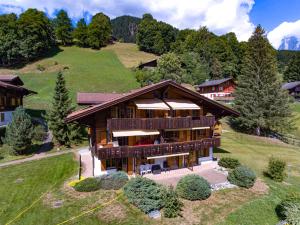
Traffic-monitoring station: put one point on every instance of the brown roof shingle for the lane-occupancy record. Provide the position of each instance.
(95, 98)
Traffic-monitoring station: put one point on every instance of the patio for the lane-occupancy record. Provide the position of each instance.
(207, 170)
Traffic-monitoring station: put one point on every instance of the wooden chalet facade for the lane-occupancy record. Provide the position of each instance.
(162, 124)
(218, 90)
(11, 96)
(293, 88)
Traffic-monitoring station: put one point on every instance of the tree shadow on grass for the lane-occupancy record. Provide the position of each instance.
(36, 112)
(49, 54)
(220, 150)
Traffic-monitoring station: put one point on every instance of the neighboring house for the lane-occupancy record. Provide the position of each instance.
(163, 124)
(219, 90)
(148, 65)
(293, 88)
(11, 96)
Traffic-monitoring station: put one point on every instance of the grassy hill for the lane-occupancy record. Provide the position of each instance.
(84, 69)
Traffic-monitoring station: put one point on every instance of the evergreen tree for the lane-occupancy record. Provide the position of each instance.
(215, 69)
(19, 132)
(292, 73)
(63, 28)
(262, 104)
(61, 107)
(81, 33)
(99, 31)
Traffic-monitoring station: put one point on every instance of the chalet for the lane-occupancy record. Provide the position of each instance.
(163, 125)
(11, 96)
(219, 90)
(293, 88)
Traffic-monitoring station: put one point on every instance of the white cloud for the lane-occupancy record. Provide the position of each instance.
(219, 16)
(285, 29)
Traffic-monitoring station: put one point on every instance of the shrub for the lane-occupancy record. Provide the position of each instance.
(228, 162)
(40, 67)
(242, 176)
(193, 187)
(172, 204)
(114, 181)
(88, 185)
(276, 169)
(39, 133)
(292, 198)
(144, 194)
(292, 213)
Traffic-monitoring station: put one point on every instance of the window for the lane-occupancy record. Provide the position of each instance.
(130, 112)
(1, 101)
(220, 88)
(13, 101)
(149, 114)
(19, 101)
(2, 117)
(213, 88)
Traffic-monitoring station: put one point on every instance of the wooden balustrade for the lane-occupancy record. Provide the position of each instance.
(156, 150)
(159, 123)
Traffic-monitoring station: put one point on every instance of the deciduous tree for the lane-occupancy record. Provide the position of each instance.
(99, 31)
(63, 28)
(80, 33)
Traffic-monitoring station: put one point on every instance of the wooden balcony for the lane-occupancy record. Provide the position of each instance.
(159, 123)
(156, 150)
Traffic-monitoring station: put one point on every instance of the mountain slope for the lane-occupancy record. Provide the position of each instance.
(125, 28)
(290, 43)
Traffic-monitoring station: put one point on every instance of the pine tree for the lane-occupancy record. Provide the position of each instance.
(61, 107)
(292, 73)
(19, 132)
(63, 28)
(80, 33)
(263, 105)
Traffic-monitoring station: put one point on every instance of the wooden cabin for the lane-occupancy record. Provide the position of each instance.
(161, 124)
(11, 96)
(219, 90)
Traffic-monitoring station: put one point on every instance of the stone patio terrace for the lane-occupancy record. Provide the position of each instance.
(207, 170)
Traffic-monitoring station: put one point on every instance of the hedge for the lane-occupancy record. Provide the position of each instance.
(88, 185)
(228, 162)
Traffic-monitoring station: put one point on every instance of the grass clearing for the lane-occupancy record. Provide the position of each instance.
(296, 110)
(130, 55)
(85, 70)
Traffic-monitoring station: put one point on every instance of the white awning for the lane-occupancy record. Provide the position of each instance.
(166, 156)
(181, 104)
(152, 104)
(128, 133)
(188, 128)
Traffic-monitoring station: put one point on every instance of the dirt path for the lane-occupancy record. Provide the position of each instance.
(38, 156)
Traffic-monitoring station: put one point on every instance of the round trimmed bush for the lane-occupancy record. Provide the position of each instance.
(242, 176)
(114, 181)
(276, 169)
(88, 185)
(280, 209)
(193, 187)
(228, 162)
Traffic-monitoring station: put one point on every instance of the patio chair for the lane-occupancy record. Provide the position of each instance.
(143, 170)
(148, 168)
(156, 169)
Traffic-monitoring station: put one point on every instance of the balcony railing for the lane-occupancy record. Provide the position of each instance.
(156, 150)
(159, 123)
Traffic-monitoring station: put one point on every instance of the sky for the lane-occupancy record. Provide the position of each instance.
(280, 18)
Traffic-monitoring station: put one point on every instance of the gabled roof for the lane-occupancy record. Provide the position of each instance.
(9, 86)
(95, 98)
(291, 85)
(144, 90)
(14, 79)
(214, 82)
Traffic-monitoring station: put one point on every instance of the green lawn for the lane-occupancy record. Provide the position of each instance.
(88, 71)
(224, 207)
(255, 152)
(296, 110)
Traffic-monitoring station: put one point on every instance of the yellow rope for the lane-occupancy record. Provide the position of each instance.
(91, 210)
(26, 209)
